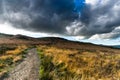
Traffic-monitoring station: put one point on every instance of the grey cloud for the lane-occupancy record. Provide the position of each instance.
(50, 16)
(59, 17)
(112, 35)
(102, 19)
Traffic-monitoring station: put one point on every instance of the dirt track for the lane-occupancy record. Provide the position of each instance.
(28, 69)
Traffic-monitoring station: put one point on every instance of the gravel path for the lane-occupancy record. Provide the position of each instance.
(28, 69)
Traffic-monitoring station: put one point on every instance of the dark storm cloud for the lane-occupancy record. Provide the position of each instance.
(49, 16)
(60, 16)
(101, 19)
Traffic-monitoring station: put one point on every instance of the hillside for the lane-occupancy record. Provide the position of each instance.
(54, 41)
(117, 46)
(62, 59)
(5, 35)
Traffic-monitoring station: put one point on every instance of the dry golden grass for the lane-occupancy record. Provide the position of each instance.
(17, 50)
(17, 58)
(4, 57)
(88, 65)
(3, 72)
(11, 57)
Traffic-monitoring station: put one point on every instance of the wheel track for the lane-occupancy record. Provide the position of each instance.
(28, 69)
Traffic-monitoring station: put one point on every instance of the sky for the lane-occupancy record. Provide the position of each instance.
(95, 21)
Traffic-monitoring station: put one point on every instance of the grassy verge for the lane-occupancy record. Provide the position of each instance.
(54, 71)
(67, 64)
(10, 56)
(46, 66)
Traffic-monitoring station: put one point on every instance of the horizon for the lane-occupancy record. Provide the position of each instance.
(90, 21)
(67, 38)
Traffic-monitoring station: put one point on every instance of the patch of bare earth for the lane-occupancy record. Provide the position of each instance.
(28, 69)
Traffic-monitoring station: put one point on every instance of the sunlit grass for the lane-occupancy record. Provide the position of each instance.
(10, 56)
(84, 64)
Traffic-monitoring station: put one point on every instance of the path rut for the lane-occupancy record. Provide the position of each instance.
(28, 69)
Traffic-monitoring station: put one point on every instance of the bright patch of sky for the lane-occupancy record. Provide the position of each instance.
(103, 41)
(8, 29)
(108, 42)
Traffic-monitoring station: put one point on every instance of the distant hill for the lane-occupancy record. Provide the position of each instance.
(5, 35)
(23, 37)
(117, 46)
(55, 41)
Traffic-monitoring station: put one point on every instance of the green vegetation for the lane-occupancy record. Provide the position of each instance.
(50, 71)
(4, 48)
(46, 67)
(66, 64)
(11, 56)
